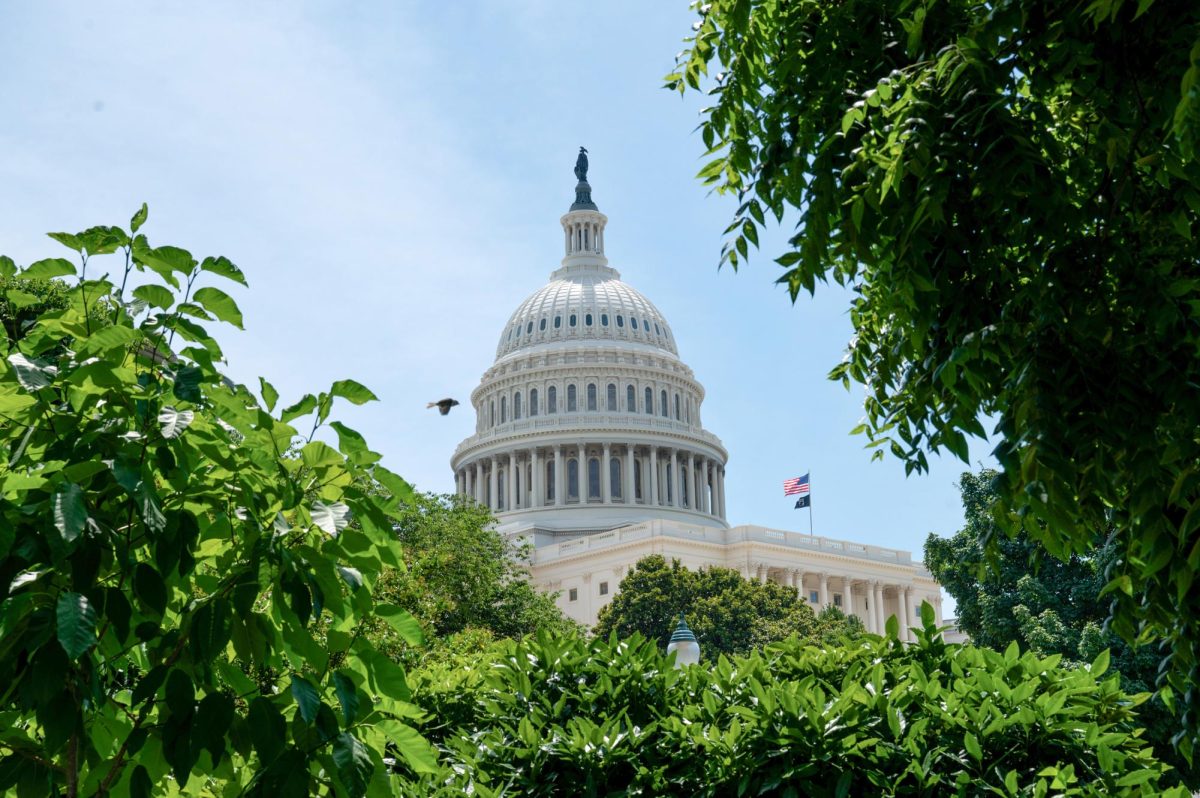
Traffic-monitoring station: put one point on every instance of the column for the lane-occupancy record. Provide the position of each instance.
(479, 481)
(560, 468)
(880, 616)
(653, 498)
(902, 598)
(581, 472)
(630, 495)
(720, 482)
(760, 572)
(937, 609)
(511, 483)
(493, 484)
(675, 481)
(697, 485)
(798, 583)
(823, 591)
(606, 475)
(536, 493)
(705, 506)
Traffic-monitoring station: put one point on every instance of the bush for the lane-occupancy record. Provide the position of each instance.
(871, 716)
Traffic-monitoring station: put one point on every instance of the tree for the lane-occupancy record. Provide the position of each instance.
(459, 574)
(181, 600)
(730, 615)
(1011, 191)
(1045, 605)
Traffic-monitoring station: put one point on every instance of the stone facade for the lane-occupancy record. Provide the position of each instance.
(589, 444)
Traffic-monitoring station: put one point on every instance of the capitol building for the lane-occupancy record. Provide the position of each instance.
(590, 445)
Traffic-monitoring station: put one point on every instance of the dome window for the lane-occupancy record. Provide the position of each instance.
(656, 330)
(620, 320)
(612, 398)
(593, 479)
(529, 328)
(649, 401)
(633, 322)
(557, 322)
(571, 321)
(542, 325)
(572, 479)
(571, 405)
(662, 406)
(533, 401)
(630, 399)
(591, 397)
(678, 415)
(614, 477)
(603, 319)
(587, 320)
(517, 405)
(503, 409)
(551, 399)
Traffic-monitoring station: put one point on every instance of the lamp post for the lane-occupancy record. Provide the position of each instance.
(683, 643)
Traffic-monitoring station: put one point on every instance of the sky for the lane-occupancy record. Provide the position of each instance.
(390, 176)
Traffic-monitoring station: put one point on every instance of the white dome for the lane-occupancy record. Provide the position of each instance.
(586, 304)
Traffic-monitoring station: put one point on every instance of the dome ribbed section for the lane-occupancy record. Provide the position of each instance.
(586, 303)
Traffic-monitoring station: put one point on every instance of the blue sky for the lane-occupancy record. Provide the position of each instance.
(390, 177)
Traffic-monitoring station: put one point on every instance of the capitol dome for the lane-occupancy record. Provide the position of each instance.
(588, 420)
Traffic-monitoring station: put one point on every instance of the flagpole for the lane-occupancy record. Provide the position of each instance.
(810, 532)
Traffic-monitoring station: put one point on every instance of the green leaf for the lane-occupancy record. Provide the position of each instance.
(1100, 664)
(405, 624)
(139, 218)
(149, 587)
(173, 422)
(50, 267)
(70, 515)
(108, 339)
(415, 749)
(307, 698)
(32, 374)
(220, 304)
(269, 394)
(7, 267)
(187, 384)
(347, 695)
(352, 391)
(354, 765)
(180, 693)
(223, 267)
(140, 785)
(154, 295)
(76, 623)
(331, 518)
(268, 729)
(971, 743)
(306, 405)
(209, 631)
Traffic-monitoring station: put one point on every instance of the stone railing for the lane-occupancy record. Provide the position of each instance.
(568, 422)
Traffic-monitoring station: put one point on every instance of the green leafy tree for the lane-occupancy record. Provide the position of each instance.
(461, 576)
(1046, 605)
(729, 615)
(181, 602)
(1012, 192)
(551, 716)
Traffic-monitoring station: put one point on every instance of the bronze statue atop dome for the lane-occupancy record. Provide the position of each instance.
(581, 165)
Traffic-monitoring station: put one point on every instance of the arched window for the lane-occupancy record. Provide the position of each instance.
(662, 404)
(630, 399)
(603, 319)
(492, 413)
(503, 409)
(533, 401)
(591, 394)
(614, 477)
(678, 415)
(620, 320)
(670, 485)
(516, 405)
(557, 322)
(542, 324)
(572, 479)
(593, 478)
(649, 401)
(588, 319)
(571, 321)
(612, 397)
(637, 479)
(633, 322)
(551, 399)
(656, 330)
(571, 399)
(529, 328)
(550, 480)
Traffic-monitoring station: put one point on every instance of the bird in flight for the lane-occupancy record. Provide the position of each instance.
(443, 405)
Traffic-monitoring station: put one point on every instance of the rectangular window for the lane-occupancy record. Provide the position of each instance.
(813, 597)
(837, 599)
(573, 594)
(604, 588)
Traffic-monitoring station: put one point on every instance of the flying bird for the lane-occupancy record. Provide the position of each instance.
(443, 405)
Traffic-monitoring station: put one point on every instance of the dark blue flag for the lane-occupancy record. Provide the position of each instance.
(804, 501)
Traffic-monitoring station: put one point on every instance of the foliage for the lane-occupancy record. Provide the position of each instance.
(1044, 604)
(555, 716)
(180, 602)
(460, 576)
(1012, 191)
(729, 615)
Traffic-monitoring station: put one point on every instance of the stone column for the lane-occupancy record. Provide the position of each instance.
(798, 583)
(493, 484)
(581, 472)
(721, 492)
(653, 476)
(630, 494)
(823, 591)
(511, 486)
(536, 493)
(902, 597)
(760, 573)
(559, 477)
(606, 475)
(704, 500)
(697, 485)
(479, 481)
(675, 481)
(881, 617)
(937, 609)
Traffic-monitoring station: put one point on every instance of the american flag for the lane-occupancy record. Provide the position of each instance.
(797, 486)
